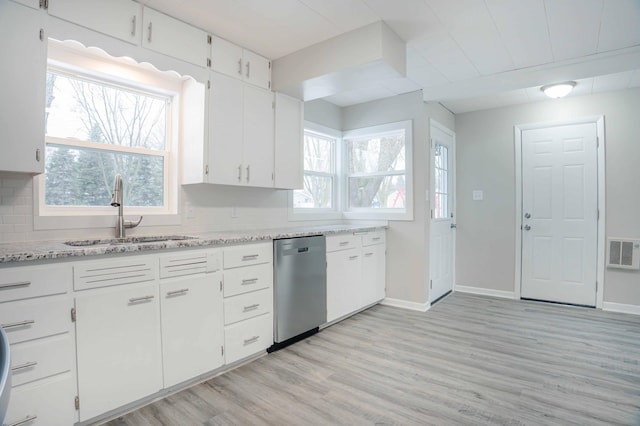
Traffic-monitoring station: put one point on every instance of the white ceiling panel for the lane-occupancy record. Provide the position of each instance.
(400, 85)
(487, 102)
(446, 56)
(573, 27)
(523, 28)
(410, 19)
(473, 29)
(635, 79)
(360, 96)
(620, 24)
(345, 14)
(422, 71)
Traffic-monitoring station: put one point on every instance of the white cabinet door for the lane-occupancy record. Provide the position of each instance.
(226, 57)
(289, 128)
(225, 130)
(257, 152)
(174, 38)
(22, 85)
(117, 18)
(118, 347)
(31, 3)
(256, 69)
(373, 274)
(192, 326)
(344, 277)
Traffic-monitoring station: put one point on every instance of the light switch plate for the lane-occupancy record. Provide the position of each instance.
(478, 195)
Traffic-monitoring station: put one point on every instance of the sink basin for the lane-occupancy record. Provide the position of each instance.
(128, 240)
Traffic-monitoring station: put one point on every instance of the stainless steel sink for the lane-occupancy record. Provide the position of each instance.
(128, 240)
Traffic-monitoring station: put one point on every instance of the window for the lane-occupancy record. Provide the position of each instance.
(106, 116)
(361, 174)
(441, 182)
(319, 173)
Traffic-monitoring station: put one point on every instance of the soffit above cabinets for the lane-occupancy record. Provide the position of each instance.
(456, 49)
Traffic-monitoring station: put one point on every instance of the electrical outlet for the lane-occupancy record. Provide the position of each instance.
(191, 212)
(234, 212)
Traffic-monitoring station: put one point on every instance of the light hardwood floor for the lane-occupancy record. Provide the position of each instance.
(470, 360)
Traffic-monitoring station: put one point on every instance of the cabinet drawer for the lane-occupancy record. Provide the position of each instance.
(253, 254)
(109, 272)
(342, 242)
(48, 402)
(194, 262)
(248, 305)
(243, 280)
(371, 238)
(35, 318)
(248, 337)
(25, 282)
(41, 358)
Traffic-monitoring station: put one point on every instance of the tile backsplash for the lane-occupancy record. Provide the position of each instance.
(16, 206)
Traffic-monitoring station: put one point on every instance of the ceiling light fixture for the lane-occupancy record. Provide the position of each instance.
(558, 90)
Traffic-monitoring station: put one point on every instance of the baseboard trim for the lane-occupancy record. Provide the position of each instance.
(485, 292)
(621, 307)
(405, 304)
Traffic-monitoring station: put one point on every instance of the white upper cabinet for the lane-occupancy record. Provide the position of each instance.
(23, 43)
(31, 3)
(117, 18)
(174, 38)
(234, 61)
(289, 128)
(240, 149)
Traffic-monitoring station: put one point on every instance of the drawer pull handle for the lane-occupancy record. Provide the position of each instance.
(368, 254)
(353, 257)
(360, 233)
(177, 292)
(251, 307)
(23, 421)
(249, 281)
(23, 366)
(376, 238)
(18, 324)
(344, 243)
(250, 257)
(251, 340)
(15, 285)
(140, 299)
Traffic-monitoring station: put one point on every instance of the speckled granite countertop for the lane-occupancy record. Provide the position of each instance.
(43, 250)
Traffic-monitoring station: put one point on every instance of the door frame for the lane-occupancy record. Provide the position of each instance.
(598, 120)
(433, 123)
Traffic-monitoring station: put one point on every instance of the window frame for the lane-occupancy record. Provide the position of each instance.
(321, 213)
(379, 213)
(76, 60)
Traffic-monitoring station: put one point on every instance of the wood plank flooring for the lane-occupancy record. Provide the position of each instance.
(470, 360)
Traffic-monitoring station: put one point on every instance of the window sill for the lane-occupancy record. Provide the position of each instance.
(41, 223)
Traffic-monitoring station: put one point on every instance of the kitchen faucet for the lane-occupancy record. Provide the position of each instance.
(116, 201)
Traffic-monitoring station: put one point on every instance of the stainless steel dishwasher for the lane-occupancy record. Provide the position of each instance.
(300, 287)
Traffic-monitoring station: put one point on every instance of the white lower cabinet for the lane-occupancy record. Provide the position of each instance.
(118, 347)
(355, 272)
(246, 338)
(192, 327)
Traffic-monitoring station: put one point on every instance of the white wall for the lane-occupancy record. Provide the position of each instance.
(486, 229)
(407, 241)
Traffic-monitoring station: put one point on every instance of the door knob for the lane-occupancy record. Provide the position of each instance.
(527, 227)
(527, 215)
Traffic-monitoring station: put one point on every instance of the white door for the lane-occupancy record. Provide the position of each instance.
(560, 213)
(442, 244)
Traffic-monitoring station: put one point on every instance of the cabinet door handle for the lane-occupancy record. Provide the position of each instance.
(343, 243)
(140, 299)
(38, 155)
(15, 285)
(23, 366)
(150, 30)
(239, 172)
(248, 69)
(250, 257)
(353, 257)
(248, 173)
(251, 307)
(178, 292)
(249, 281)
(17, 324)
(251, 340)
(368, 254)
(23, 421)
(376, 238)
(240, 66)
(133, 26)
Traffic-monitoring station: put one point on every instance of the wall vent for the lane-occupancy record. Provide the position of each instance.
(623, 253)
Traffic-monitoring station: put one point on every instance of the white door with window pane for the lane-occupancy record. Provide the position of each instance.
(560, 209)
(442, 230)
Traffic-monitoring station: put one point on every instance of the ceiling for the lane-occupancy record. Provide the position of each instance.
(465, 54)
